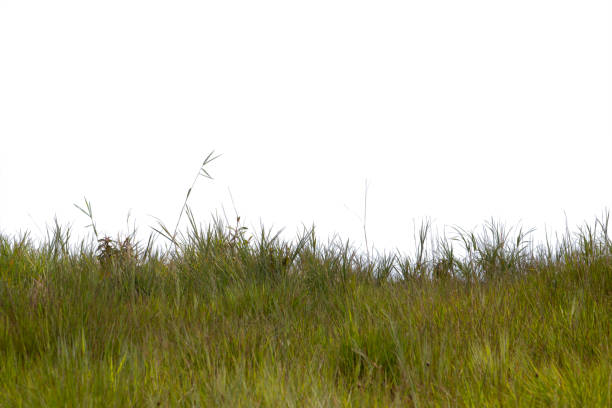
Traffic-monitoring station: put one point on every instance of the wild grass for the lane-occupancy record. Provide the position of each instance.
(220, 318)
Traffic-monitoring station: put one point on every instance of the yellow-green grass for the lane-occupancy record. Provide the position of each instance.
(221, 320)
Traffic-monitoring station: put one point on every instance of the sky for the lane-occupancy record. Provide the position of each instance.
(454, 111)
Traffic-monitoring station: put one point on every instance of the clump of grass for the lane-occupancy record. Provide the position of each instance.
(222, 317)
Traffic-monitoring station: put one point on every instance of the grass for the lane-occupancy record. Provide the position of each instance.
(219, 318)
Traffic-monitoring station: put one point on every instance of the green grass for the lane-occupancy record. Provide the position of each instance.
(221, 319)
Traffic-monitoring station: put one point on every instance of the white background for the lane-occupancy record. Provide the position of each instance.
(455, 110)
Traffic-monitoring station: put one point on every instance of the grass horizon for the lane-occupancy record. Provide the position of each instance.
(225, 319)
(221, 317)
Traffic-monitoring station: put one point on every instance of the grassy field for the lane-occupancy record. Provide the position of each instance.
(221, 317)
